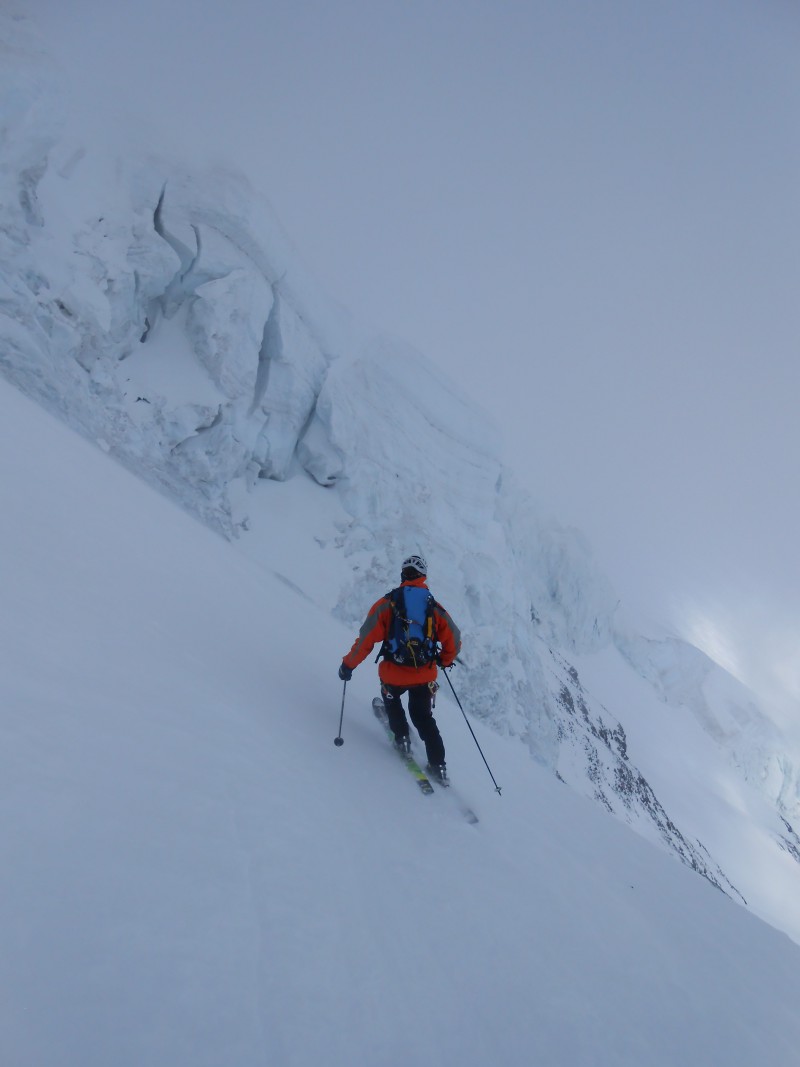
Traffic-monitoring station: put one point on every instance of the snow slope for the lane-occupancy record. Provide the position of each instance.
(194, 874)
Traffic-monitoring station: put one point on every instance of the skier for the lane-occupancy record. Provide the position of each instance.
(399, 620)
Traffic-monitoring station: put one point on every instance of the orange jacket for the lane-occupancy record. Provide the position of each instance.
(376, 629)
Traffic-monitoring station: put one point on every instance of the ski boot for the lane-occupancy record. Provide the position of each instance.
(438, 772)
(403, 746)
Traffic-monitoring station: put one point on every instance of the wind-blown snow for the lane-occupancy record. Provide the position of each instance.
(165, 316)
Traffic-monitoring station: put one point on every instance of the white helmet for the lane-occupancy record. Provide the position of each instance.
(417, 562)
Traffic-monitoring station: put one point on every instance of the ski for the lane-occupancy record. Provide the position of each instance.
(422, 780)
(414, 768)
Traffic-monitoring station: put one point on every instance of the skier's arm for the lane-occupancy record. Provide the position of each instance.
(448, 635)
(374, 629)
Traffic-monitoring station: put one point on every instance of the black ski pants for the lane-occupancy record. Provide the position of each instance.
(420, 710)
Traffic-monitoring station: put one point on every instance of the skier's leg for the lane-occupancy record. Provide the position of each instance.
(419, 709)
(394, 710)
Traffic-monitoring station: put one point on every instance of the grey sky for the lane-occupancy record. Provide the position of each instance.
(586, 211)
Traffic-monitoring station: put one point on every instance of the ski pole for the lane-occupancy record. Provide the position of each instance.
(339, 740)
(474, 738)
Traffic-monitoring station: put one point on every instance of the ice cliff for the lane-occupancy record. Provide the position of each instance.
(164, 315)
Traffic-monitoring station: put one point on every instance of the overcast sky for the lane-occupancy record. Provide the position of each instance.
(587, 212)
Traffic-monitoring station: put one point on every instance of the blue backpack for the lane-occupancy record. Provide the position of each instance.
(411, 641)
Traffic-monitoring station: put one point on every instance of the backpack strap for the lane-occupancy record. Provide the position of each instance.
(430, 618)
(392, 596)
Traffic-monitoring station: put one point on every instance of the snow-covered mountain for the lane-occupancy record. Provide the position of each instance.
(165, 315)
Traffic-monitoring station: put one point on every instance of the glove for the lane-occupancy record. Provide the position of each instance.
(345, 673)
